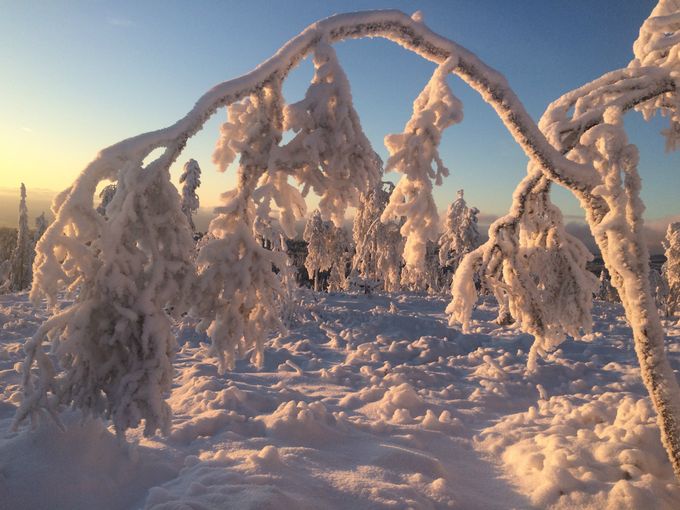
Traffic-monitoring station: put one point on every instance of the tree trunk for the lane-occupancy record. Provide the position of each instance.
(657, 374)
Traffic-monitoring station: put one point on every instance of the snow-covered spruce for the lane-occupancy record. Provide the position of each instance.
(70, 253)
(606, 291)
(413, 153)
(21, 261)
(191, 180)
(460, 235)
(40, 228)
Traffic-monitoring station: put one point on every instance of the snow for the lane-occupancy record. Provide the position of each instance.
(368, 402)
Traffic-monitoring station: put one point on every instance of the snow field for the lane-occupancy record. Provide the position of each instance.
(368, 402)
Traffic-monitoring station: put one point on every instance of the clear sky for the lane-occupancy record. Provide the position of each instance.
(76, 76)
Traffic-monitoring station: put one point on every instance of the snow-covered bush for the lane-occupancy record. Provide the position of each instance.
(191, 180)
(671, 269)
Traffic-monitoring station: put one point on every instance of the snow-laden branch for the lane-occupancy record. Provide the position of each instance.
(392, 25)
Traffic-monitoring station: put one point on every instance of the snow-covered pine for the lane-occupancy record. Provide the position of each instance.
(190, 180)
(237, 295)
(21, 261)
(460, 235)
(671, 269)
(330, 152)
(413, 153)
(106, 195)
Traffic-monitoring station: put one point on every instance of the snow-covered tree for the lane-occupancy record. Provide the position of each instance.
(341, 251)
(543, 268)
(671, 269)
(238, 294)
(330, 152)
(378, 245)
(112, 347)
(413, 153)
(460, 235)
(659, 287)
(40, 227)
(20, 265)
(191, 180)
(105, 196)
(319, 254)
(606, 291)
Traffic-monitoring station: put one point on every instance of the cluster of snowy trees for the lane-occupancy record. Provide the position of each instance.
(16, 272)
(664, 283)
(671, 270)
(134, 268)
(373, 259)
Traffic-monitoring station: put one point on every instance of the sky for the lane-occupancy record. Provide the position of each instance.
(78, 76)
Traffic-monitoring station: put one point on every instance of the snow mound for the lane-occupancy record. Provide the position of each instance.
(304, 423)
(82, 467)
(569, 452)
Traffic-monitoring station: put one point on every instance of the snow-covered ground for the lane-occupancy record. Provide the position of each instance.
(369, 402)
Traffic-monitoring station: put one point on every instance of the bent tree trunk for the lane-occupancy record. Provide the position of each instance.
(648, 335)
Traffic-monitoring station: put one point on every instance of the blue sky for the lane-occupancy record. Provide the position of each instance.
(80, 75)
